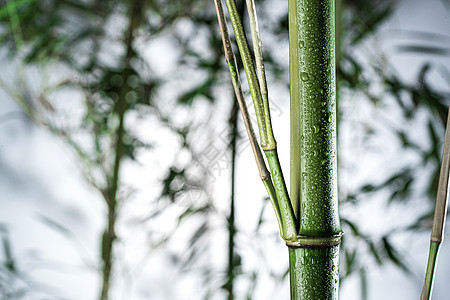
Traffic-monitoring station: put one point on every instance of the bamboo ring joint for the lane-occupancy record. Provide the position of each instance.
(303, 241)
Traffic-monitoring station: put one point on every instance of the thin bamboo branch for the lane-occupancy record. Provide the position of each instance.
(271, 154)
(265, 128)
(257, 49)
(231, 61)
(262, 110)
(440, 213)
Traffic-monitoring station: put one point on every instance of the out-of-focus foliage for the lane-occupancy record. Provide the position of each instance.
(98, 88)
(361, 76)
(101, 83)
(12, 285)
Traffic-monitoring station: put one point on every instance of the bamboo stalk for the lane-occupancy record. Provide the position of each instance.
(232, 229)
(111, 196)
(440, 213)
(314, 258)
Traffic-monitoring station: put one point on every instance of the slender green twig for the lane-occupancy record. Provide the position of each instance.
(257, 49)
(231, 61)
(271, 154)
(264, 123)
(262, 111)
(440, 212)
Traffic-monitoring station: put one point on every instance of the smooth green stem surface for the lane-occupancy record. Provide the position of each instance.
(287, 213)
(314, 270)
(313, 119)
(314, 273)
(294, 110)
(431, 268)
(273, 199)
(257, 45)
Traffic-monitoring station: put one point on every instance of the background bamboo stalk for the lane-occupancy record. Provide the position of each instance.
(111, 195)
(314, 270)
(233, 123)
(440, 213)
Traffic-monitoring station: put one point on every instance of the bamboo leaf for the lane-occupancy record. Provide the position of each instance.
(56, 225)
(9, 259)
(261, 214)
(203, 90)
(393, 255)
(12, 5)
(350, 261)
(373, 249)
(352, 226)
(193, 211)
(371, 22)
(424, 49)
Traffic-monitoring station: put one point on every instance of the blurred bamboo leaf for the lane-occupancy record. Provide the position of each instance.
(55, 225)
(424, 49)
(369, 21)
(204, 90)
(9, 259)
(394, 256)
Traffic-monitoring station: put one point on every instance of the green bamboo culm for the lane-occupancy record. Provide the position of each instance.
(314, 257)
(440, 213)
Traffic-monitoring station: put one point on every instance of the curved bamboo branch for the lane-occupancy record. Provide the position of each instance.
(268, 143)
(231, 61)
(440, 213)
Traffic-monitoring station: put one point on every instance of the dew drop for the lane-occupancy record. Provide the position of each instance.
(301, 44)
(304, 175)
(304, 76)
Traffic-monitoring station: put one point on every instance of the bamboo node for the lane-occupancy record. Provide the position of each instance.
(303, 241)
(435, 239)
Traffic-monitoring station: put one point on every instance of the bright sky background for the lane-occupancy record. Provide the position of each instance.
(35, 165)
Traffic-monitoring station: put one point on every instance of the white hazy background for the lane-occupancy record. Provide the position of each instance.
(38, 177)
